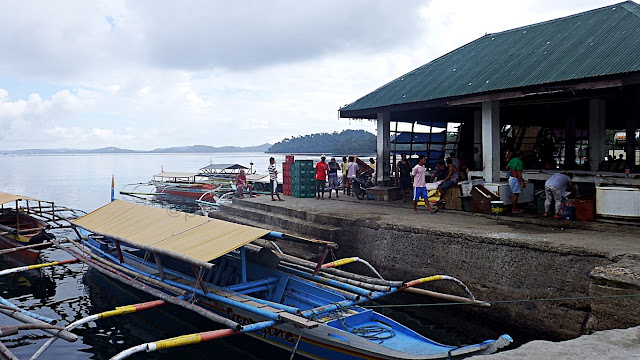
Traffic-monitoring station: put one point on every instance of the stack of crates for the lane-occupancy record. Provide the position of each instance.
(286, 175)
(303, 182)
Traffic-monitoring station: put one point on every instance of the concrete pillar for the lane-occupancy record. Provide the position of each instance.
(383, 165)
(570, 142)
(630, 148)
(596, 132)
(477, 136)
(491, 140)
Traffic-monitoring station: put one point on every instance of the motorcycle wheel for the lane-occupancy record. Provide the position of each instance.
(360, 193)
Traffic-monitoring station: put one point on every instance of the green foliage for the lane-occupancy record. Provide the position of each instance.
(345, 142)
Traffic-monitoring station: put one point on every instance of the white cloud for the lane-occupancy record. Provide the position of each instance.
(148, 74)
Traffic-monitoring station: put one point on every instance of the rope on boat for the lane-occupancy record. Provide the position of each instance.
(510, 301)
(295, 348)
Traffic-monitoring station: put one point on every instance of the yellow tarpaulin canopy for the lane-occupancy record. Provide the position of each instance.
(186, 236)
(6, 197)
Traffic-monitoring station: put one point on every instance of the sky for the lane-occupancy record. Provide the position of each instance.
(148, 74)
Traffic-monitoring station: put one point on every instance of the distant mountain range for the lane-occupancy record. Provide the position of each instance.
(115, 150)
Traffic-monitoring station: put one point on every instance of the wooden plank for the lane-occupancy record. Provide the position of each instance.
(256, 304)
(300, 321)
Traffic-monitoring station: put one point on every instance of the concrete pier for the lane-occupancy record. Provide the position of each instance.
(594, 267)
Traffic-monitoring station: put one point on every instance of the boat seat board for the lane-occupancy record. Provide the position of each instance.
(187, 235)
(300, 321)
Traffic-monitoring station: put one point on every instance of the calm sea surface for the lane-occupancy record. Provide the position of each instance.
(71, 292)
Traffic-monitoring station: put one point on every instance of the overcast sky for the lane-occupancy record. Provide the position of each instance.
(145, 74)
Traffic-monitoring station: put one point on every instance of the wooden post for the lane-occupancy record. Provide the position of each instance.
(119, 251)
(325, 251)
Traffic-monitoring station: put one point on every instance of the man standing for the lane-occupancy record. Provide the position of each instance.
(333, 176)
(516, 182)
(403, 176)
(352, 173)
(273, 179)
(420, 185)
(344, 175)
(321, 177)
(554, 188)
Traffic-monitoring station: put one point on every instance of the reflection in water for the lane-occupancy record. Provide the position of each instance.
(112, 335)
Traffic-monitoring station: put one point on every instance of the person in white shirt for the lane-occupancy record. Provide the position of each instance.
(352, 173)
(273, 179)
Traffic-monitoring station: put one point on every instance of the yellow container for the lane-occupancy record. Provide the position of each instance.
(497, 207)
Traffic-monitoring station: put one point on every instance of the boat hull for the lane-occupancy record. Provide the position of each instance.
(10, 241)
(330, 339)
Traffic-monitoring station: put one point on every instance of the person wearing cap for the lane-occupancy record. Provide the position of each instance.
(241, 184)
(321, 177)
(333, 176)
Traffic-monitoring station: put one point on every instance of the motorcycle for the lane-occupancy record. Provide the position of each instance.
(361, 184)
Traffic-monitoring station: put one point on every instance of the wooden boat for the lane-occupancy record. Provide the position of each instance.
(311, 309)
(18, 228)
(186, 185)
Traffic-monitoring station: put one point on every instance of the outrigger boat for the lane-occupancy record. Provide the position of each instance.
(24, 225)
(227, 273)
(186, 185)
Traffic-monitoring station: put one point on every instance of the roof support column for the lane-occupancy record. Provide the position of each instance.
(477, 138)
(491, 140)
(570, 142)
(596, 132)
(630, 147)
(383, 166)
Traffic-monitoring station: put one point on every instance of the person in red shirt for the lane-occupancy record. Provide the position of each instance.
(241, 184)
(322, 168)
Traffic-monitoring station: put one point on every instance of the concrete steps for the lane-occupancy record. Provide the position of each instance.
(277, 219)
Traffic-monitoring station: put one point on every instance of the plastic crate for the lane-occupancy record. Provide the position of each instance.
(304, 164)
(289, 159)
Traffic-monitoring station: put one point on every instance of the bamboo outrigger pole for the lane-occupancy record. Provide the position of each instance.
(191, 339)
(21, 248)
(122, 310)
(37, 266)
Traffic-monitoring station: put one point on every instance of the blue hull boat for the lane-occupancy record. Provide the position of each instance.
(228, 269)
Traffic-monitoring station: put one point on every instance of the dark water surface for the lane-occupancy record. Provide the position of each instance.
(70, 292)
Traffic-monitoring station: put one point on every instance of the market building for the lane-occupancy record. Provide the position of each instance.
(558, 90)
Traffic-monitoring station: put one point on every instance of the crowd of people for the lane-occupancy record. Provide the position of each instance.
(413, 180)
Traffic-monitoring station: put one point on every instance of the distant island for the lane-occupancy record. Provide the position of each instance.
(115, 150)
(345, 142)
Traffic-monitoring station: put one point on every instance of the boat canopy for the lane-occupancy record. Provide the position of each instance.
(6, 197)
(168, 174)
(215, 167)
(192, 238)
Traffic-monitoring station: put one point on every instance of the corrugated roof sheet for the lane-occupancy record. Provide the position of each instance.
(168, 232)
(6, 197)
(599, 42)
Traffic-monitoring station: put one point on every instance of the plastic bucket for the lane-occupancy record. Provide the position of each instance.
(497, 207)
(569, 212)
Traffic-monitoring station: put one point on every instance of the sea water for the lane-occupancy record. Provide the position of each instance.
(70, 292)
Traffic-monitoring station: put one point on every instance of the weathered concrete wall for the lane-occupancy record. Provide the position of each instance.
(492, 272)
(494, 267)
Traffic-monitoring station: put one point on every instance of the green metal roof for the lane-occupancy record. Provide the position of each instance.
(599, 42)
